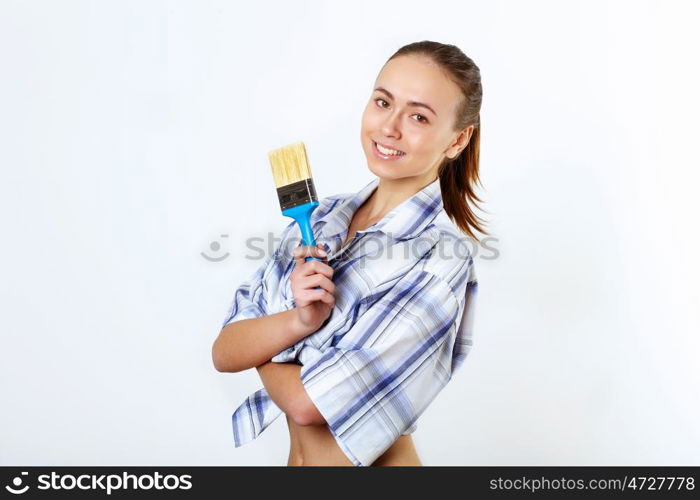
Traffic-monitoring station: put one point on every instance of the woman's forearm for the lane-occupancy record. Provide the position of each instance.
(283, 384)
(250, 342)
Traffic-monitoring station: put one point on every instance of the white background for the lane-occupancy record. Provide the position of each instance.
(134, 134)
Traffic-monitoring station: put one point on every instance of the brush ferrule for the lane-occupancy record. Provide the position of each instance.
(296, 194)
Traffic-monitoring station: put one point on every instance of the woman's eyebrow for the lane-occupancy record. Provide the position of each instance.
(410, 103)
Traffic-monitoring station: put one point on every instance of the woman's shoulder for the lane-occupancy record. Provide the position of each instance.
(292, 233)
(452, 256)
(328, 203)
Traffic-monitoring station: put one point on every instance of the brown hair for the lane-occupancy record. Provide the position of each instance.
(458, 176)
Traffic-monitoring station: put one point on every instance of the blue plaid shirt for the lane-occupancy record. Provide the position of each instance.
(401, 325)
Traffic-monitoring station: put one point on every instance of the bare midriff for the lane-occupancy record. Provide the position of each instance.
(314, 445)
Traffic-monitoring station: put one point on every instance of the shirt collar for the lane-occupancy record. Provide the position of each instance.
(406, 220)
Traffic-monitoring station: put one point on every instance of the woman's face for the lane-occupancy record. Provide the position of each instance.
(423, 134)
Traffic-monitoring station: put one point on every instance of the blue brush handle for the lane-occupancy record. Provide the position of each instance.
(302, 214)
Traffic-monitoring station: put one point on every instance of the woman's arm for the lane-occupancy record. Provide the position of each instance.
(250, 342)
(283, 383)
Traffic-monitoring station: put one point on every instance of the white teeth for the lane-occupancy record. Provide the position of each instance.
(385, 151)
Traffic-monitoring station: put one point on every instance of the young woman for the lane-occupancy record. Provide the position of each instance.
(361, 358)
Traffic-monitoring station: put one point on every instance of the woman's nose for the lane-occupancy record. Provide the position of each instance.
(390, 127)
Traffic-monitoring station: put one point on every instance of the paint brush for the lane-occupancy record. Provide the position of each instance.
(295, 188)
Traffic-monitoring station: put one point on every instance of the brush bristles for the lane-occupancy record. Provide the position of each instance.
(292, 175)
(290, 164)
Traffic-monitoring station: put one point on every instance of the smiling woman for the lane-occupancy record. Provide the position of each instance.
(401, 321)
(443, 140)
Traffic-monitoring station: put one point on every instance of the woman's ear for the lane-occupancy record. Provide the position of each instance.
(461, 142)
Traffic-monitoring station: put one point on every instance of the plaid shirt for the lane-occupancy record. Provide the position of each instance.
(401, 325)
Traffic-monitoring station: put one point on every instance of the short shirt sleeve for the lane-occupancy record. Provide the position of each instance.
(261, 293)
(379, 378)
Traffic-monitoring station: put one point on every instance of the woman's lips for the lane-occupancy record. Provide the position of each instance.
(382, 156)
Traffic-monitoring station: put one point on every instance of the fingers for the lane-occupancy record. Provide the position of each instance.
(303, 268)
(306, 297)
(314, 280)
(301, 252)
(326, 297)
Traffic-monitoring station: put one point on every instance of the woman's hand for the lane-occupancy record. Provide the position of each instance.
(313, 305)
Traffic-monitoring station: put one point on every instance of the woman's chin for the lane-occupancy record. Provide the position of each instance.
(384, 171)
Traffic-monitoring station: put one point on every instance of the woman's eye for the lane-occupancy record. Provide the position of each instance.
(422, 119)
(380, 99)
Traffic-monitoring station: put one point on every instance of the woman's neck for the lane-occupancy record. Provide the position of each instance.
(389, 194)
